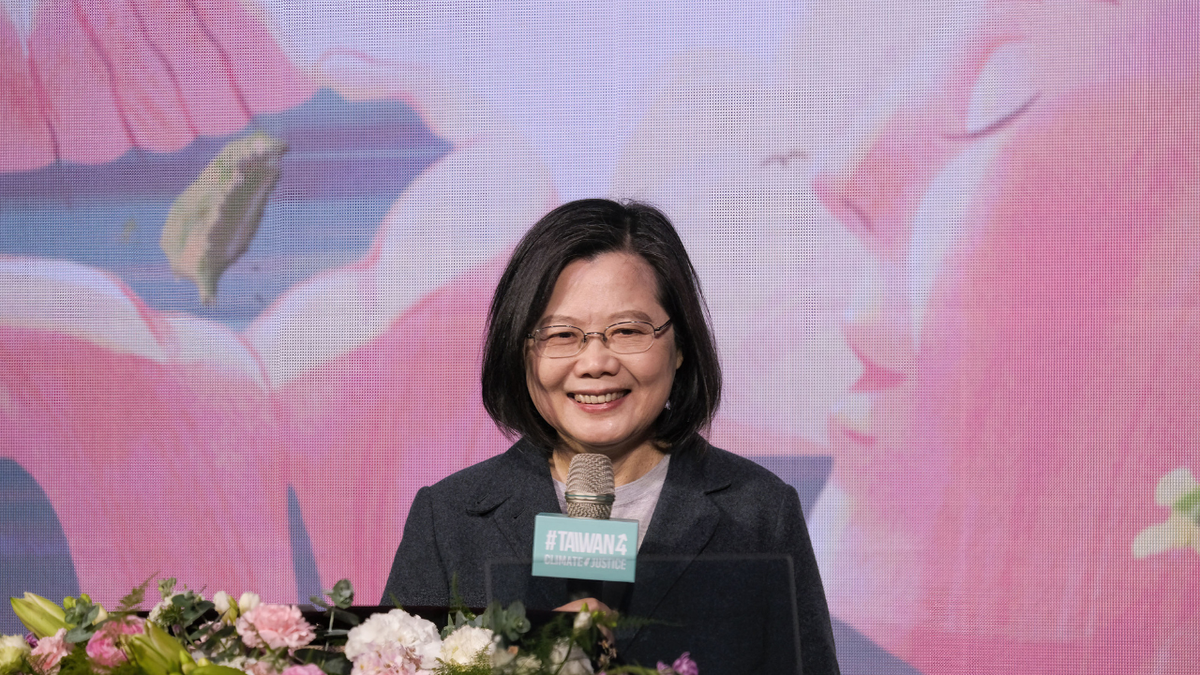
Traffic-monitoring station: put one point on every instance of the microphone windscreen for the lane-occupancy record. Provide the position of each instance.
(590, 490)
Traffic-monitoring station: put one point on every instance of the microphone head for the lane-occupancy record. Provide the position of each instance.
(590, 492)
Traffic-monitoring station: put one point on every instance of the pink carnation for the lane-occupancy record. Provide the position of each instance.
(275, 626)
(306, 669)
(103, 648)
(49, 651)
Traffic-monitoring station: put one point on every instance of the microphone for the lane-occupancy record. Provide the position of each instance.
(586, 543)
(590, 492)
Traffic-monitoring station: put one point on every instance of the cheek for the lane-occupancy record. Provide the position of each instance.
(661, 374)
(537, 385)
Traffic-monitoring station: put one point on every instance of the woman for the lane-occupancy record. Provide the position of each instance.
(1030, 349)
(598, 341)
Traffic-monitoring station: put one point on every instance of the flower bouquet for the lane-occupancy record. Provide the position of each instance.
(187, 634)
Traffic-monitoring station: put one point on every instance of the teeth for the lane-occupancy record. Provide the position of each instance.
(584, 398)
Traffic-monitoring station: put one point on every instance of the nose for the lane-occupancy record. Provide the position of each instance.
(596, 359)
(877, 329)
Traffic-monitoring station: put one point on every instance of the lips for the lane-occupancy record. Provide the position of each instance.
(594, 399)
(851, 422)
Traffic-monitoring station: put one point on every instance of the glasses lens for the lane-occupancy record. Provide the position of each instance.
(557, 341)
(629, 337)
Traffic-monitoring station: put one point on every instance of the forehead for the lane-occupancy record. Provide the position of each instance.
(610, 287)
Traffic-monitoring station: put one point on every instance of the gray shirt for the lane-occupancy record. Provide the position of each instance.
(634, 501)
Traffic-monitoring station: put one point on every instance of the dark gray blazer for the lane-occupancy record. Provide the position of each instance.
(733, 615)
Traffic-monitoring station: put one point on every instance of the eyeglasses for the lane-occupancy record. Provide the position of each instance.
(625, 337)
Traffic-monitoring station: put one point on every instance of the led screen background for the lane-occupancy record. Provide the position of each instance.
(951, 250)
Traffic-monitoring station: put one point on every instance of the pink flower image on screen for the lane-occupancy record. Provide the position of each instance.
(85, 82)
(1029, 354)
(151, 434)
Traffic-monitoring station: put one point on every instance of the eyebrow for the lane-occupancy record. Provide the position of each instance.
(627, 315)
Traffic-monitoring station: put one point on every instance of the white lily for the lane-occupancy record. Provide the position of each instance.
(1180, 530)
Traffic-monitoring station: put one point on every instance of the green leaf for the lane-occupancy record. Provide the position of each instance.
(342, 593)
(79, 634)
(345, 616)
(337, 665)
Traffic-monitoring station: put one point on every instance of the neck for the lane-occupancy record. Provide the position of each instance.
(628, 466)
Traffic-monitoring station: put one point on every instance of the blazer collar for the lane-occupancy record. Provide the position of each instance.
(684, 521)
(522, 489)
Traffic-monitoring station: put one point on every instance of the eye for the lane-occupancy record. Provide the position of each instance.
(626, 330)
(1003, 92)
(557, 334)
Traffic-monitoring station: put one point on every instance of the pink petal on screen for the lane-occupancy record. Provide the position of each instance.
(376, 405)
(267, 80)
(76, 92)
(369, 428)
(25, 139)
(152, 436)
(145, 86)
(97, 78)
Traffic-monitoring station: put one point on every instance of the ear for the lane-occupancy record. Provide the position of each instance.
(678, 360)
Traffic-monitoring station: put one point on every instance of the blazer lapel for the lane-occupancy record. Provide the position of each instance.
(523, 490)
(684, 520)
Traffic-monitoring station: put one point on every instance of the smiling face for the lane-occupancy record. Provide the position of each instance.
(598, 400)
(1031, 222)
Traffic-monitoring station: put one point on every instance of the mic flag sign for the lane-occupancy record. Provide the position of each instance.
(584, 548)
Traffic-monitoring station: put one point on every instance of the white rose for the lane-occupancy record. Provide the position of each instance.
(248, 601)
(156, 611)
(224, 605)
(396, 626)
(465, 644)
(583, 621)
(577, 662)
(13, 649)
(510, 664)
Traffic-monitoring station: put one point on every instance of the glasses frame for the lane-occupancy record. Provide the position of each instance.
(603, 338)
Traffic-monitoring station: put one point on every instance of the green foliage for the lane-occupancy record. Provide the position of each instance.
(81, 614)
(132, 602)
(77, 663)
(341, 597)
(509, 623)
(193, 629)
(482, 665)
(342, 593)
(337, 664)
(185, 611)
(458, 618)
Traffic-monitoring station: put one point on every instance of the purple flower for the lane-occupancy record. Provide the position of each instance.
(684, 665)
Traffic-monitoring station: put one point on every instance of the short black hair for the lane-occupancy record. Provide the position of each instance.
(583, 230)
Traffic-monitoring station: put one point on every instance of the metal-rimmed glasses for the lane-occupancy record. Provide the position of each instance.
(623, 337)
